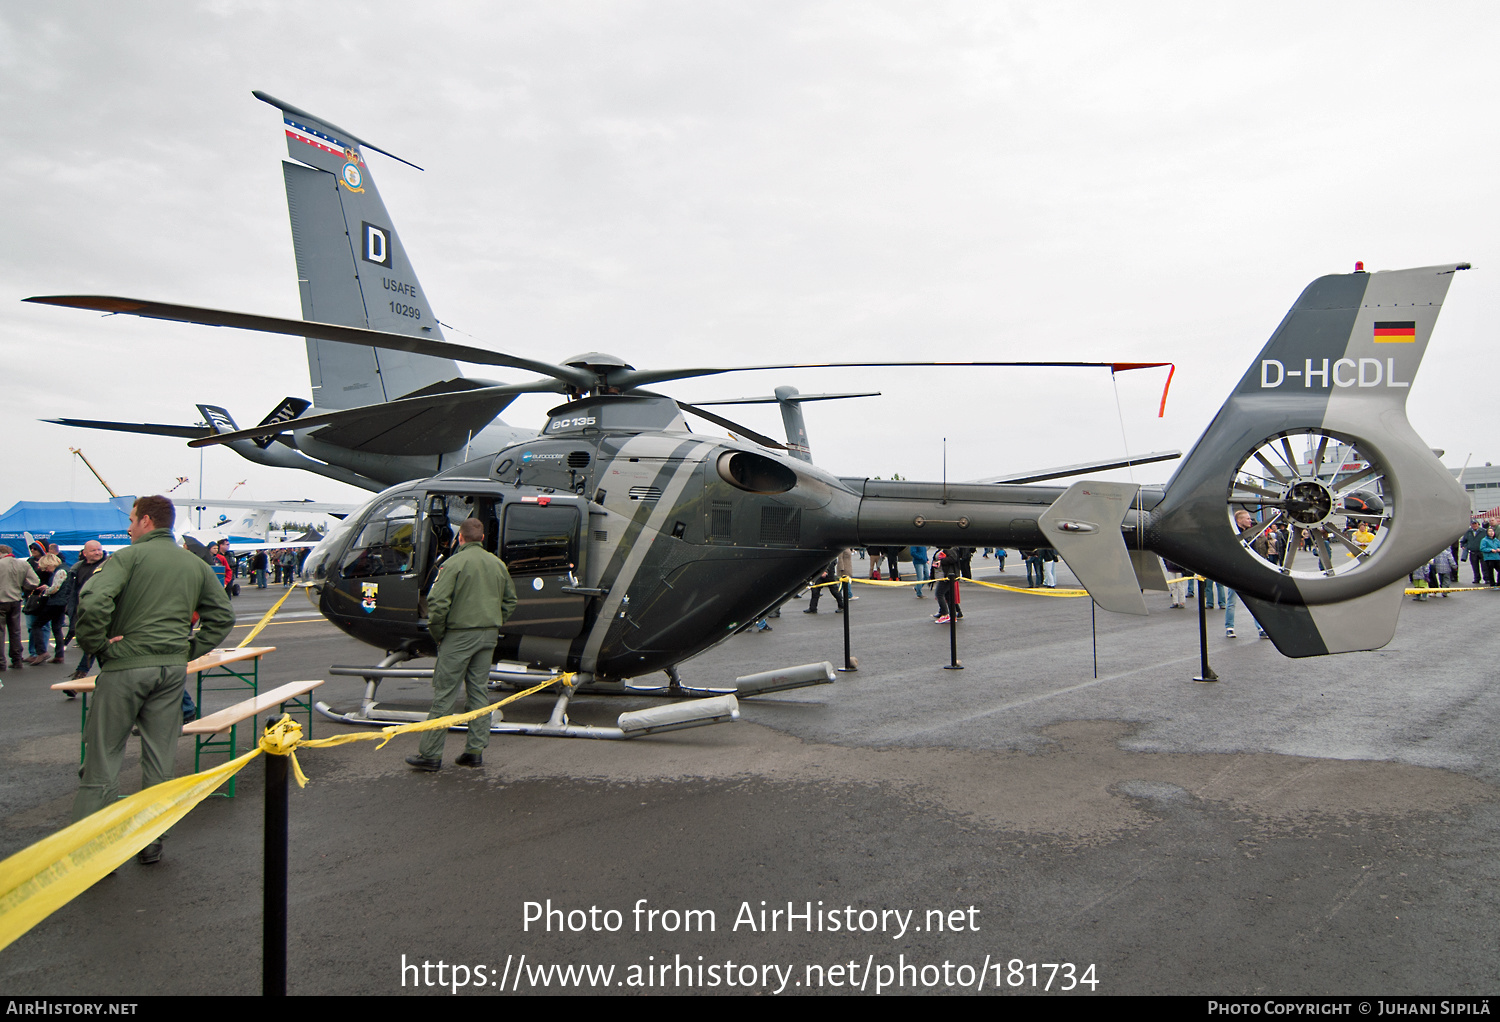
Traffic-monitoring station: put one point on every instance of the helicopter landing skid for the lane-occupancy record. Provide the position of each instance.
(635, 724)
(764, 683)
(376, 715)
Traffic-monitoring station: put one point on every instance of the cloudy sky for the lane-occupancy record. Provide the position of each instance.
(707, 182)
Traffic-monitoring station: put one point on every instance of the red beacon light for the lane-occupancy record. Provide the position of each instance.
(1359, 267)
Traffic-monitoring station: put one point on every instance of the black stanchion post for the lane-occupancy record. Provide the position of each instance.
(1205, 672)
(850, 664)
(273, 932)
(953, 664)
(1094, 631)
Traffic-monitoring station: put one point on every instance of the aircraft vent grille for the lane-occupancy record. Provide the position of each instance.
(645, 493)
(781, 525)
(601, 535)
(720, 521)
(578, 459)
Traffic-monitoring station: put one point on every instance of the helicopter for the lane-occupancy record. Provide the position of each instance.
(636, 543)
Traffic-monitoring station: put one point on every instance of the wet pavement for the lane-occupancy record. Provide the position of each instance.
(1301, 827)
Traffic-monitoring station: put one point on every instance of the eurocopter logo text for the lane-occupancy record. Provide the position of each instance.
(527, 457)
(1346, 372)
(377, 244)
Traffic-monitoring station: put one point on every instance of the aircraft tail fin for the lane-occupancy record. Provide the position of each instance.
(289, 409)
(253, 525)
(1315, 440)
(219, 420)
(351, 267)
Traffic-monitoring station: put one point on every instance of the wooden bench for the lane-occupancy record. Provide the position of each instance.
(228, 719)
(212, 664)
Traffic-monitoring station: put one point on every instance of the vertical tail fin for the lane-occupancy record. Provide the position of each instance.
(351, 267)
(1315, 439)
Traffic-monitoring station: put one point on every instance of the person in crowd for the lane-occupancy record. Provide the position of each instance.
(37, 552)
(919, 567)
(1489, 548)
(948, 568)
(1471, 550)
(1033, 577)
(1049, 567)
(821, 586)
(893, 555)
(1261, 545)
(49, 603)
(17, 577)
(90, 558)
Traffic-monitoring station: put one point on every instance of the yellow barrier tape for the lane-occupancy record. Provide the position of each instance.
(1029, 591)
(40, 879)
(265, 619)
(1429, 591)
(1025, 590)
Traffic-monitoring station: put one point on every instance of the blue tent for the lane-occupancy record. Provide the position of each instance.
(66, 523)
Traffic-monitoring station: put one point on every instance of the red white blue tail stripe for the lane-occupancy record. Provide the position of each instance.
(317, 139)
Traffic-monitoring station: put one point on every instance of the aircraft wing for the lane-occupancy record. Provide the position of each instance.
(444, 413)
(316, 507)
(240, 549)
(438, 418)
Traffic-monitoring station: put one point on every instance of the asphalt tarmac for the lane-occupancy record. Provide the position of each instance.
(1321, 826)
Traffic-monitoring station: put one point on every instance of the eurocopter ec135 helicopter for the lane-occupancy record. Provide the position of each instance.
(636, 543)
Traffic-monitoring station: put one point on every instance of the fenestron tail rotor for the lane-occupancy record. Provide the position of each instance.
(1336, 513)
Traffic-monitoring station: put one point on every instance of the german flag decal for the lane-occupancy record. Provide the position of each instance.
(1396, 332)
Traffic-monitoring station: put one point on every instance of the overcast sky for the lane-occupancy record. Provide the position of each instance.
(701, 182)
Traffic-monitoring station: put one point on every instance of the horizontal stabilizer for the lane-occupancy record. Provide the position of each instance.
(1366, 622)
(1083, 525)
(287, 108)
(148, 428)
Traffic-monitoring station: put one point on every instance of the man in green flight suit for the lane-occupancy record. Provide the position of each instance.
(136, 615)
(470, 600)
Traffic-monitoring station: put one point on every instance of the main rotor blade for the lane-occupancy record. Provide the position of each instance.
(1063, 471)
(732, 426)
(629, 379)
(312, 328)
(796, 399)
(345, 415)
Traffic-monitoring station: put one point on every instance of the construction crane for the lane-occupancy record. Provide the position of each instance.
(91, 468)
